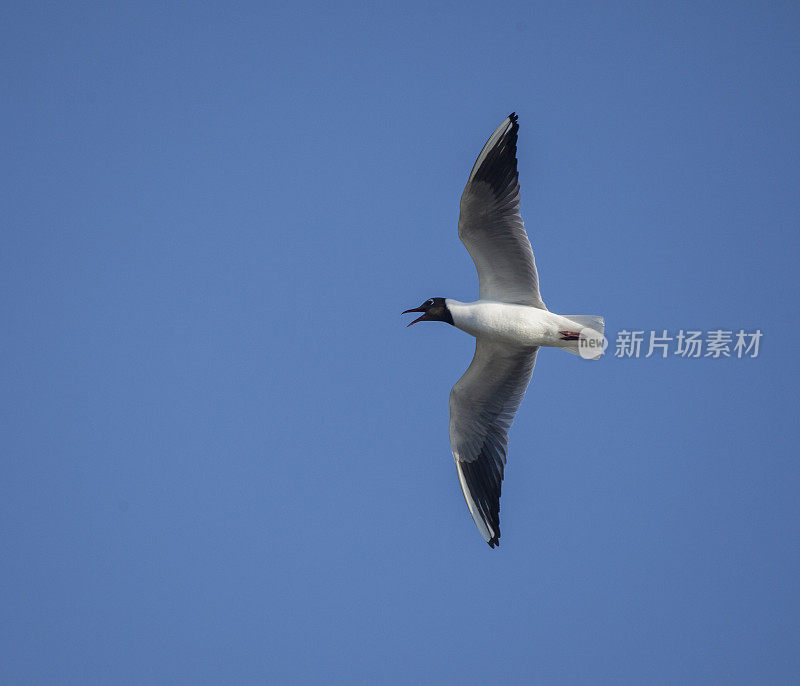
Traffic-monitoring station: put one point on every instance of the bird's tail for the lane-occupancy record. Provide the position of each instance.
(590, 343)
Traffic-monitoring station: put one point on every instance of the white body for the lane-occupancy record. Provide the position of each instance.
(518, 325)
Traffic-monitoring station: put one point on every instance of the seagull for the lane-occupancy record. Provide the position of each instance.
(509, 321)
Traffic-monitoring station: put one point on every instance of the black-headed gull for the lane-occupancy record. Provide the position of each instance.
(509, 321)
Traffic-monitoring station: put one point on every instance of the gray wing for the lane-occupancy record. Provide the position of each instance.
(482, 407)
(490, 225)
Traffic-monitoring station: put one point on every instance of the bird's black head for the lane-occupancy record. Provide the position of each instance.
(435, 310)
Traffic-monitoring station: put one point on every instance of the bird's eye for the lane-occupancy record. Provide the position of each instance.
(430, 302)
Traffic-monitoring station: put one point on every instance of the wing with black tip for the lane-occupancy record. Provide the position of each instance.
(490, 224)
(482, 407)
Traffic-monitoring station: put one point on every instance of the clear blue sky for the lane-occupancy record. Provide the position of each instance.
(225, 460)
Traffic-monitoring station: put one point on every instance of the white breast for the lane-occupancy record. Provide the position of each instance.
(516, 324)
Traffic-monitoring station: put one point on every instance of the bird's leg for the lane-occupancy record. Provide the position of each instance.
(570, 335)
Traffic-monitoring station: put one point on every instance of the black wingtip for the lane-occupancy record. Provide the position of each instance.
(494, 542)
(499, 165)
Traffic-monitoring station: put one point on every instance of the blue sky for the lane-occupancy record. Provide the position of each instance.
(225, 460)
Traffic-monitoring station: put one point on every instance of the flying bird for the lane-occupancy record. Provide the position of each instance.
(509, 321)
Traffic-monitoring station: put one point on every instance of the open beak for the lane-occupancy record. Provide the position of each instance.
(418, 319)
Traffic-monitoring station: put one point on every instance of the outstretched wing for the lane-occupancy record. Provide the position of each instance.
(482, 407)
(490, 225)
